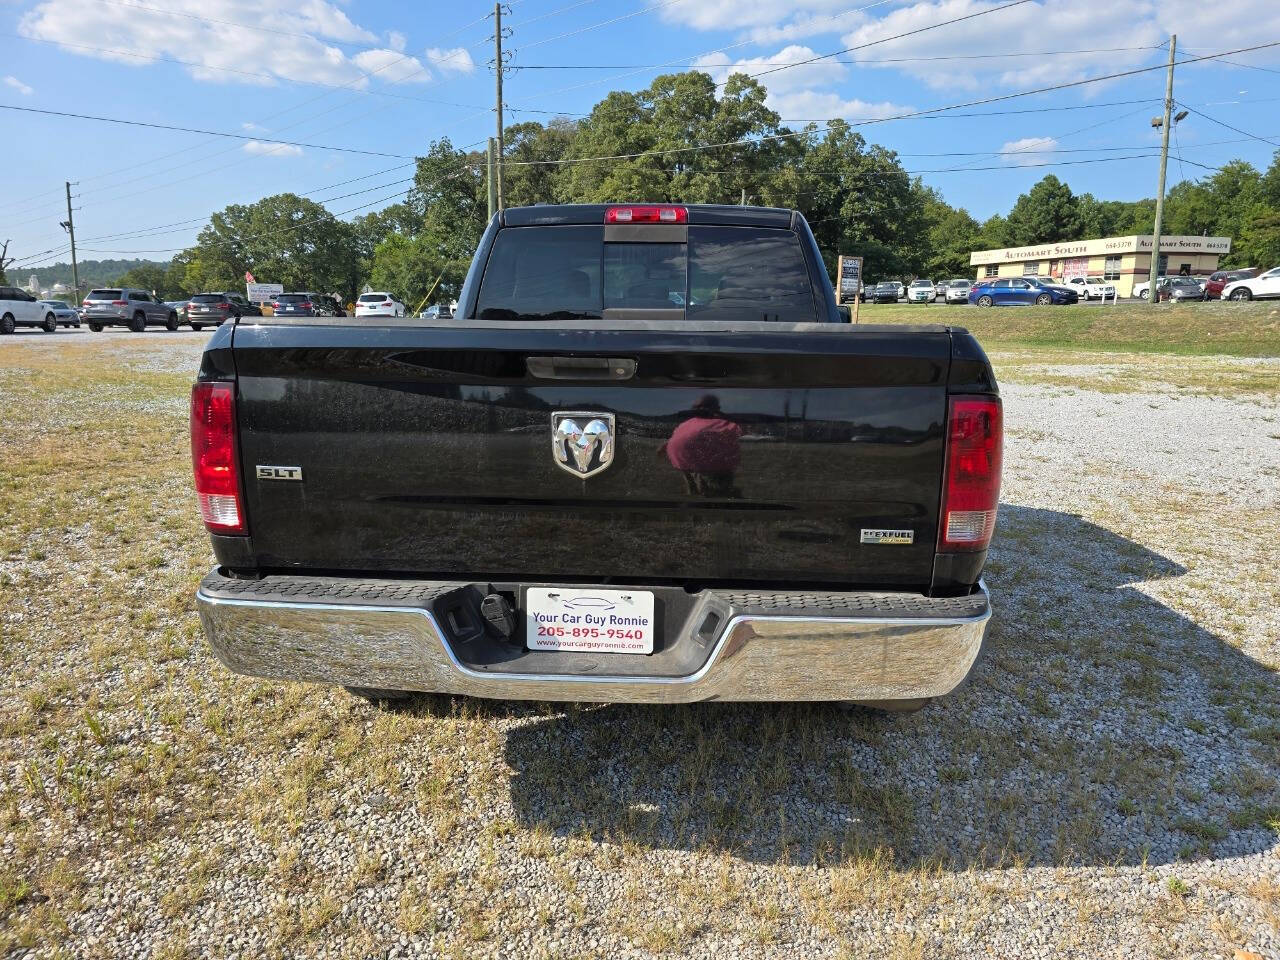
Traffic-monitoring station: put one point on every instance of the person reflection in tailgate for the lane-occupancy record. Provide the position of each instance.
(706, 448)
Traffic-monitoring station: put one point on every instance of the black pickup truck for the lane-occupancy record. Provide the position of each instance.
(645, 462)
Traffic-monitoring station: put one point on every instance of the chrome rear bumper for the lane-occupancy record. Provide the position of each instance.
(780, 647)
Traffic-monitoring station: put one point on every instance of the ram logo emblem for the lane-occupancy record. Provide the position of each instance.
(582, 442)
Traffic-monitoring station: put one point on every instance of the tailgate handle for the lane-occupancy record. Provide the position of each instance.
(581, 368)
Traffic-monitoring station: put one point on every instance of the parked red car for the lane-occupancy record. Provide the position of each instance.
(1213, 286)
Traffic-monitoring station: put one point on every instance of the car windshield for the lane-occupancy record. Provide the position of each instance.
(922, 283)
(208, 298)
(293, 298)
(374, 297)
(959, 283)
(103, 295)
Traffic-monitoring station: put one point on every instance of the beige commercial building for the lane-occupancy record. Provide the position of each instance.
(1123, 260)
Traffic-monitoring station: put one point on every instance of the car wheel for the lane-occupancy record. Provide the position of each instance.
(1044, 300)
(138, 323)
(50, 323)
(1142, 294)
(1241, 293)
(171, 324)
(197, 327)
(95, 327)
(985, 301)
(7, 324)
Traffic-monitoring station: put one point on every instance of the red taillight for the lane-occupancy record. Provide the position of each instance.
(974, 288)
(224, 306)
(306, 305)
(971, 474)
(646, 215)
(119, 303)
(213, 456)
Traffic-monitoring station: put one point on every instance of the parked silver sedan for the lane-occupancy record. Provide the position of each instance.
(1183, 289)
(66, 315)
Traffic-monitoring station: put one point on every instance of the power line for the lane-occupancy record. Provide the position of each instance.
(859, 61)
(206, 133)
(602, 23)
(1220, 123)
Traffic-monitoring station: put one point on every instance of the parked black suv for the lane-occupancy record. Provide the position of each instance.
(306, 304)
(211, 309)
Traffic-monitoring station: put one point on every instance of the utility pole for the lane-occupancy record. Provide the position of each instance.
(743, 201)
(5, 259)
(1153, 295)
(497, 69)
(75, 268)
(493, 186)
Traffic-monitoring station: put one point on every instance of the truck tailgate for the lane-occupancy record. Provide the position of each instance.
(737, 456)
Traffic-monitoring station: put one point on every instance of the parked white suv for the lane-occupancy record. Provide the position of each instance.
(958, 290)
(379, 304)
(921, 291)
(1254, 288)
(1091, 288)
(20, 309)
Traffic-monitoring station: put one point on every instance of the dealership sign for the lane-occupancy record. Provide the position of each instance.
(262, 292)
(1102, 247)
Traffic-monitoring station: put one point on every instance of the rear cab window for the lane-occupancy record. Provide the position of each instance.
(567, 272)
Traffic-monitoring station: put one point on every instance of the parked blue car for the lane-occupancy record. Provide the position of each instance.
(1020, 291)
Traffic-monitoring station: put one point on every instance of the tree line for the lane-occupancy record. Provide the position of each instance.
(682, 139)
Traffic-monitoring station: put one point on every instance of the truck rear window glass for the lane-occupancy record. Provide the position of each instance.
(722, 273)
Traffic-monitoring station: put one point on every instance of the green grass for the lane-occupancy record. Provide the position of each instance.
(1235, 329)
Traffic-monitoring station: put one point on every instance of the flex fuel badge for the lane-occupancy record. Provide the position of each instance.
(888, 536)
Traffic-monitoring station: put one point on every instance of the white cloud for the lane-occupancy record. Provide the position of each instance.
(455, 60)
(751, 14)
(391, 67)
(1044, 26)
(794, 93)
(250, 127)
(259, 149)
(1027, 150)
(18, 85)
(287, 39)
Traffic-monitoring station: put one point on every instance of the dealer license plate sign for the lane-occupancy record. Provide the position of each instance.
(589, 621)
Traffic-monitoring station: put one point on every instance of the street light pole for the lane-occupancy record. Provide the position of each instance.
(1153, 295)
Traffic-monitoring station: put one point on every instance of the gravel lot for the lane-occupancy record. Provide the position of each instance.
(1104, 787)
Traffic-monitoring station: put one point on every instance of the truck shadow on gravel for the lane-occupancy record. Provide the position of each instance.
(1101, 727)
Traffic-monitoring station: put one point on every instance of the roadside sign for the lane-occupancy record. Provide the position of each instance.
(848, 282)
(262, 292)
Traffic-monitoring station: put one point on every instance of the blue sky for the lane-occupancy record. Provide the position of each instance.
(391, 77)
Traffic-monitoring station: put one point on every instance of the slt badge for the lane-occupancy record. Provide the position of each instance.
(582, 441)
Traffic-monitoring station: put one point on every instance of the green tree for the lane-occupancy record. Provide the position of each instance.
(282, 239)
(952, 236)
(153, 277)
(859, 201)
(1258, 243)
(1047, 213)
